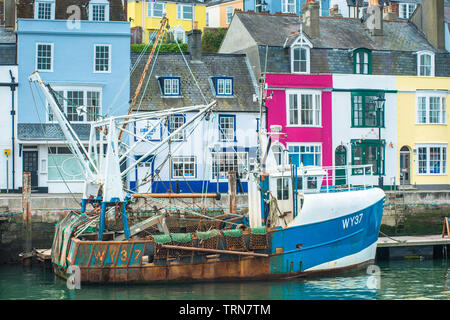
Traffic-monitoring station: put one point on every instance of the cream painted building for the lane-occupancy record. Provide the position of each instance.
(423, 131)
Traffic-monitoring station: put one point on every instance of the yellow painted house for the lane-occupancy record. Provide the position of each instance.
(145, 16)
(423, 131)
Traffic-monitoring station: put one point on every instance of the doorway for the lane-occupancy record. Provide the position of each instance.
(405, 166)
(30, 164)
(340, 159)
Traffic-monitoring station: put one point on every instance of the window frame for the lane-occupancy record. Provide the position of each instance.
(365, 94)
(85, 90)
(357, 53)
(316, 111)
(283, 188)
(443, 159)
(408, 12)
(167, 93)
(431, 54)
(285, 6)
(373, 143)
(181, 12)
(52, 55)
(237, 157)
(442, 111)
(151, 9)
(45, 2)
(228, 15)
(313, 145)
(307, 61)
(109, 58)
(227, 116)
(172, 168)
(59, 150)
(225, 81)
(170, 130)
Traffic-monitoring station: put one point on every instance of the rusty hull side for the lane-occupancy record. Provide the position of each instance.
(121, 262)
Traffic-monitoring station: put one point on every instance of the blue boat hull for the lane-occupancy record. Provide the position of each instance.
(342, 242)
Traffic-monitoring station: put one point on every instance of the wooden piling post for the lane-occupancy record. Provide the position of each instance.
(26, 216)
(232, 191)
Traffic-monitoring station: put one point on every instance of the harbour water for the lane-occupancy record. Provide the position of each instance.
(394, 280)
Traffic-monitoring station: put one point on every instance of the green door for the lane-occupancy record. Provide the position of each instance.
(340, 157)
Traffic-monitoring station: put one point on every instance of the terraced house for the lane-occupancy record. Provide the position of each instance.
(82, 50)
(145, 17)
(355, 114)
(198, 158)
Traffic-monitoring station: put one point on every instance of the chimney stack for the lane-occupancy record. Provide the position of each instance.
(334, 11)
(311, 18)
(374, 18)
(195, 45)
(433, 22)
(10, 14)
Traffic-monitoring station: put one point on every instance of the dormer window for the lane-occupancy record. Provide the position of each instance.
(300, 55)
(44, 10)
(99, 10)
(425, 64)
(224, 86)
(170, 86)
(362, 61)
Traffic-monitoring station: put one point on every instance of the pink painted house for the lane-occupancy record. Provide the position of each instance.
(301, 104)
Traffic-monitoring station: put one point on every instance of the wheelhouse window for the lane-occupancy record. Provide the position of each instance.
(44, 57)
(306, 154)
(183, 167)
(364, 110)
(425, 64)
(362, 61)
(102, 58)
(304, 108)
(283, 188)
(432, 159)
(431, 108)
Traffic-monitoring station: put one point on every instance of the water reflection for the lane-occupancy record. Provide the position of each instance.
(397, 280)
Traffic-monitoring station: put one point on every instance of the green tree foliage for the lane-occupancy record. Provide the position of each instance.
(165, 47)
(212, 39)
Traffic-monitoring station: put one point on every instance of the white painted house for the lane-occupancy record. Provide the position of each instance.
(10, 173)
(355, 124)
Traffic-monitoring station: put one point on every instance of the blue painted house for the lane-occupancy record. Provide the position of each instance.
(284, 6)
(82, 49)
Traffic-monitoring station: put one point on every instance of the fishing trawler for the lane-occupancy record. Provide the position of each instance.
(297, 223)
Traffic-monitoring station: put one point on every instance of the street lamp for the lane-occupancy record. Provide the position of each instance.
(379, 103)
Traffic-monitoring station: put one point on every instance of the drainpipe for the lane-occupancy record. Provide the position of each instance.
(13, 113)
